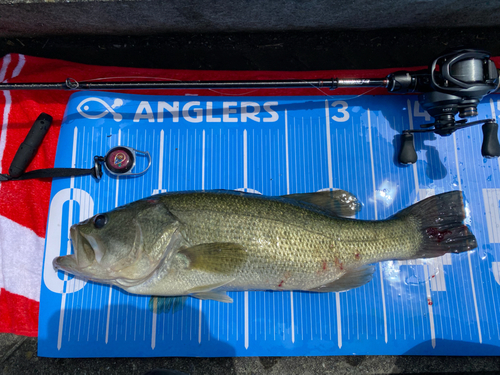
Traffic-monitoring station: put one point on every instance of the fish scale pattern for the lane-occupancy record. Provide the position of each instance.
(289, 246)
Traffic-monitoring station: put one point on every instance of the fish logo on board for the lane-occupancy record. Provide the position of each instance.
(88, 109)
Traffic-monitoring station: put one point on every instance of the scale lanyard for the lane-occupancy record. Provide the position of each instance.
(118, 161)
(51, 173)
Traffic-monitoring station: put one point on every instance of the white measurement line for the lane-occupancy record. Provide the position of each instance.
(61, 321)
(286, 154)
(429, 304)
(118, 177)
(372, 162)
(328, 145)
(68, 243)
(111, 289)
(425, 266)
(246, 320)
(203, 161)
(109, 314)
(245, 188)
(339, 320)
(288, 192)
(200, 312)
(384, 310)
(160, 164)
(468, 253)
(153, 328)
(330, 185)
(245, 160)
(199, 321)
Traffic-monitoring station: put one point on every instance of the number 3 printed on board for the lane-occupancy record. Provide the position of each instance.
(342, 110)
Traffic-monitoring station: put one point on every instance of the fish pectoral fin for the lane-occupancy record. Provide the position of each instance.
(350, 280)
(217, 257)
(337, 202)
(166, 304)
(216, 296)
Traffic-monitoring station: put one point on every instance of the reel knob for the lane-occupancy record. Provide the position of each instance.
(407, 154)
(490, 147)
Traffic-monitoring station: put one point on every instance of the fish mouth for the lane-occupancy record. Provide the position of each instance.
(85, 262)
(84, 254)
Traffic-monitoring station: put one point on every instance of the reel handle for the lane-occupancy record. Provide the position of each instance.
(490, 147)
(407, 154)
(26, 152)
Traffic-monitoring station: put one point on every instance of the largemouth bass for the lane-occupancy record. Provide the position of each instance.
(203, 244)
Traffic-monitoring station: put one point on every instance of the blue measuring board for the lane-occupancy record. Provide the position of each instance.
(274, 146)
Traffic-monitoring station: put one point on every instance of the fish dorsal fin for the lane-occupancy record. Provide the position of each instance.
(217, 257)
(350, 280)
(337, 202)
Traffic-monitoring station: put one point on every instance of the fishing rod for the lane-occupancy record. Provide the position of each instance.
(454, 83)
(72, 84)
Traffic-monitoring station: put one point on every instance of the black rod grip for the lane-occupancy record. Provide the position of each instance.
(407, 154)
(26, 152)
(490, 147)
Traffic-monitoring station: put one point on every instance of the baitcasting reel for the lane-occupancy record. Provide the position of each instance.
(454, 84)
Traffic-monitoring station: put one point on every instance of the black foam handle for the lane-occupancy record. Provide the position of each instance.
(407, 154)
(491, 147)
(26, 152)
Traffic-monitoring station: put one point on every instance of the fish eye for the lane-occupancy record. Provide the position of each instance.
(100, 221)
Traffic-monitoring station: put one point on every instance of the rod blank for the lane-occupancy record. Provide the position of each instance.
(72, 84)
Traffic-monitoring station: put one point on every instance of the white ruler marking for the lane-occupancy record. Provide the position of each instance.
(429, 304)
(153, 328)
(68, 244)
(330, 185)
(160, 164)
(200, 312)
(288, 192)
(246, 320)
(245, 188)
(339, 320)
(199, 321)
(468, 253)
(384, 310)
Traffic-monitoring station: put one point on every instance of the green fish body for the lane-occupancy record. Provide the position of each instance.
(205, 243)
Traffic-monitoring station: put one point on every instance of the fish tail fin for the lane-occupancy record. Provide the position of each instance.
(440, 220)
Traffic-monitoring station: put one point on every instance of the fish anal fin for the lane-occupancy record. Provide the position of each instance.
(336, 202)
(218, 257)
(350, 280)
(208, 292)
